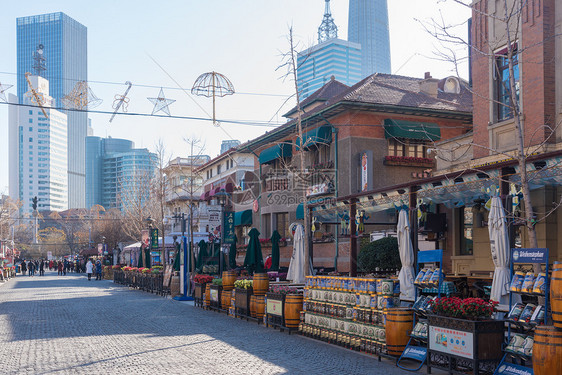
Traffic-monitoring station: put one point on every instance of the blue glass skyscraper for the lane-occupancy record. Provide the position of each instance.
(64, 43)
(368, 26)
(117, 173)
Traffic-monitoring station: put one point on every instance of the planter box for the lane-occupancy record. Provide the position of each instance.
(199, 291)
(461, 346)
(275, 309)
(216, 291)
(242, 301)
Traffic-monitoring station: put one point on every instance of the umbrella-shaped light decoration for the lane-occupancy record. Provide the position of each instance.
(211, 85)
(161, 103)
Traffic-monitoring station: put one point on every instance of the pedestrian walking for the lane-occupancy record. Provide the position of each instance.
(51, 265)
(98, 270)
(59, 268)
(89, 269)
(23, 267)
(30, 268)
(42, 268)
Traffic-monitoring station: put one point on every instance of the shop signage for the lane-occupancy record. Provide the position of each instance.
(274, 307)
(323, 188)
(49, 255)
(229, 236)
(415, 352)
(513, 369)
(451, 341)
(154, 238)
(214, 217)
(214, 295)
(366, 170)
(528, 255)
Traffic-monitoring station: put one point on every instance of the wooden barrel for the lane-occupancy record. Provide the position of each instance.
(292, 310)
(228, 278)
(260, 306)
(175, 286)
(556, 294)
(261, 284)
(208, 295)
(225, 299)
(547, 351)
(399, 324)
(253, 306)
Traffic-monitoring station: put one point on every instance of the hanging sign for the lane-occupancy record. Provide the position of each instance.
(229, 236)
(529, 255)
(154, 238)
(366, 161)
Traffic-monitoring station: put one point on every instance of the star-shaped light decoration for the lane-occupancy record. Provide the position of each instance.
(4, 88)
(161, 103)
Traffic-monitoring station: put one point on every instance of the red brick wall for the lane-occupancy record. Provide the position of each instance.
(537, 73)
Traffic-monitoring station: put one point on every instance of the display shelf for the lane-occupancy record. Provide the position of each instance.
(519, 257)
(419, 353)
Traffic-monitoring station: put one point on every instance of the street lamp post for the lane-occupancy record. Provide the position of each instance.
(222, 198)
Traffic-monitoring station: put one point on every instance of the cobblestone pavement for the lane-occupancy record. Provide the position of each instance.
(69, 325)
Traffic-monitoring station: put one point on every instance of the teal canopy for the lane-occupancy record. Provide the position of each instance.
(300, 211)
(243, 218)
(319, 136)
(254, 257)
(428, 131)
(280, 150)
(275, 237)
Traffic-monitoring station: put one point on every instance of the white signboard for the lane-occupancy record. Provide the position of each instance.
(214, 217)
(49, 255)
(451, 341)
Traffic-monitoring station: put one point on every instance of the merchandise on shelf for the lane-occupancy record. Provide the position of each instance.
(517, 281)
(515, 311)
(540, 284)
(527, 313)
(528, 283)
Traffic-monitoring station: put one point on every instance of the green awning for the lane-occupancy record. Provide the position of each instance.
(319, 136)
(281, 150)
(300, 211)
(243, 218)
(412, 130)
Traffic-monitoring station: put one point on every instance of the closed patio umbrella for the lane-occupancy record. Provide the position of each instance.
(254, 258)
(275, 237)
(296, 267)
(139, 265)
(406, 275)
(499, 245)
(232, 254)
(147, 256)
(177, 258)
(202, 254)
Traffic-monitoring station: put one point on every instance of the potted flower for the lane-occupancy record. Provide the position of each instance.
(468, 321)
(243, 292)
(200, 282)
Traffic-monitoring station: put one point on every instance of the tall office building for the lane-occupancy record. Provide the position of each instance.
(330, 57)
(368, 26)
(38, 151)
(116, 173)
(63, 63)
(228, 144)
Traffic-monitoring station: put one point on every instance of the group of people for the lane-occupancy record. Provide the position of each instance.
(30, 267)
(90, 269)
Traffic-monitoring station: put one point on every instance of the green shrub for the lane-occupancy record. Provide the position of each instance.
(382, 253)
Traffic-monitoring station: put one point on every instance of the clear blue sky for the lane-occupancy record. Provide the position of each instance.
(241, 39)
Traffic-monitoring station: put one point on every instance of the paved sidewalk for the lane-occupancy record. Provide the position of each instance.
(69, 325)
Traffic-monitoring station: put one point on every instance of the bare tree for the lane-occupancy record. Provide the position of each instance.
(159, 192)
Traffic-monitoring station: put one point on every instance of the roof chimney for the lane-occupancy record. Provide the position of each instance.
(429, 85)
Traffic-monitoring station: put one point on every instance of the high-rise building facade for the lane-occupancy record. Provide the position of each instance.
(117, 174)
(38, 152)
(330, 57)
(335, 57)
(368, 26)
(64, 43)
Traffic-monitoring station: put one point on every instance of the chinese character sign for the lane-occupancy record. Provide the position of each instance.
(229, 235)
(154, 238)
